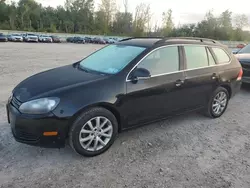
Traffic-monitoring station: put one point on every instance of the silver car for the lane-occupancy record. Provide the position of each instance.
(15, 38)
(28, 37)
(45, 38)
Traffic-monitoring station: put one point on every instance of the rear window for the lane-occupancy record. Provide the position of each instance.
(196, 56)
(221, 55)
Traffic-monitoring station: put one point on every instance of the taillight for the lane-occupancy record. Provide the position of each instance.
(240, 75)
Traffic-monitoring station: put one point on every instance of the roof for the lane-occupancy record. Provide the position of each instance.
(142, 42)
(159, 41)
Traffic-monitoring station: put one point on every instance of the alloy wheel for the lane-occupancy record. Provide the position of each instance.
(219, 103)
(96, 133)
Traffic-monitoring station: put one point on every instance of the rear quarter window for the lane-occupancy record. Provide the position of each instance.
(221, 56)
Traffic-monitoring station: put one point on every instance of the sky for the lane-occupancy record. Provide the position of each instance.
(184, 11)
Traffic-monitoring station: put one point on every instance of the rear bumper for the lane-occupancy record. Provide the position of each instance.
(29, 129)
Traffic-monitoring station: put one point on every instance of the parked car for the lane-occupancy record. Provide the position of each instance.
(15, 37)
(3, 38)
(29, 37)
(109, 41)
(235, 50)
(70, 39)
(79, 40)
(243, 56)
(88, 39)
(140, 80)
(98, 40)
(242, 45)
(45, 38)
(55, 39)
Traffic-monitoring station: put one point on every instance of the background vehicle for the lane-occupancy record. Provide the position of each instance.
(3, 38)
(109, 41)
(241, 45)
(140, 80)
(79, 40)
(70, 39)
(15, 38)
(45, 38)
(88, 39)
(98, 40)
(243, 56)
(29, 37)
(55, 39)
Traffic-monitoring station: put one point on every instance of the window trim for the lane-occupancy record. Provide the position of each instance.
(217, 62)
(182, 60)
(209, 50)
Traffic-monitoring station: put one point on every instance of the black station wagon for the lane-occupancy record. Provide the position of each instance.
(123, 85)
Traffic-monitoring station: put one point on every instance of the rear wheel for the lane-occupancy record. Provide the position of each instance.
(218, 102)
(93, 132)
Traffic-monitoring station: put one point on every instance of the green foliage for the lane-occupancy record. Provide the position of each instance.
(79, 16)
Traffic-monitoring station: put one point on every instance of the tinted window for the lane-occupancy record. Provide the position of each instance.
(161, 61)
(196, 56)
(111, 59)
(221, 55)
(210, 58)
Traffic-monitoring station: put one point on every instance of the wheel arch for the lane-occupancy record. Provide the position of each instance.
(105, 105)
(228, 88)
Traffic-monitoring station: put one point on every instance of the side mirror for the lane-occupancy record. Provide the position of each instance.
(140, 74)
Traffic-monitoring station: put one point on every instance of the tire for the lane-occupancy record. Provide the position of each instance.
(82, 121)
(209, 112)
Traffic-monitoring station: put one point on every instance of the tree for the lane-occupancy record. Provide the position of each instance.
(241, 21)
(141, 18)
(108, 7)
(167, 21)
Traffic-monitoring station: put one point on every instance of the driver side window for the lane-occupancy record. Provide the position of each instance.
(161, 61)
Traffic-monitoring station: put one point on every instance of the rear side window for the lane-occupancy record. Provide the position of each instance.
(221, 56)
(196, 56)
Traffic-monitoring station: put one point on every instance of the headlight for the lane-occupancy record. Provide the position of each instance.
(39, 106)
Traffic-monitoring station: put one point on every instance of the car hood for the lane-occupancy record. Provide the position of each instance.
(51, 81)
(243, 57)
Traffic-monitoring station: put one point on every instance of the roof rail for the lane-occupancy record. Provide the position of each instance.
(164, 39)
(189, 38)
(129, 38)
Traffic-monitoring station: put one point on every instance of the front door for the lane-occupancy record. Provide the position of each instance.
(162, 93)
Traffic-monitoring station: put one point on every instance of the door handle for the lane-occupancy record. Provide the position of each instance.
(214, 76)
(178, 83)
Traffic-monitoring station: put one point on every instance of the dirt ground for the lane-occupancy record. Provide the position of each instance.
(185, 151)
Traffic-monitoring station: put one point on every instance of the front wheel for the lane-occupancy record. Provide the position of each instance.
(93, 132)
(218, 102)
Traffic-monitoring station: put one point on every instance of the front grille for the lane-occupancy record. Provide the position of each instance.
(16, 103)
(24, 135)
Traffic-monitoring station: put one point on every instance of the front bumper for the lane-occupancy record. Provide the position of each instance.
(29, 129)
(31, 40)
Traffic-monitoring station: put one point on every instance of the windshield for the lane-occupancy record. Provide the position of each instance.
(111, 59)
(244, 50)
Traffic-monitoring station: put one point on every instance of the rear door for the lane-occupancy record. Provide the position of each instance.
(201, 75)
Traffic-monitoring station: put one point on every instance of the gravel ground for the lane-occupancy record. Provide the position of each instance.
(185, 151)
